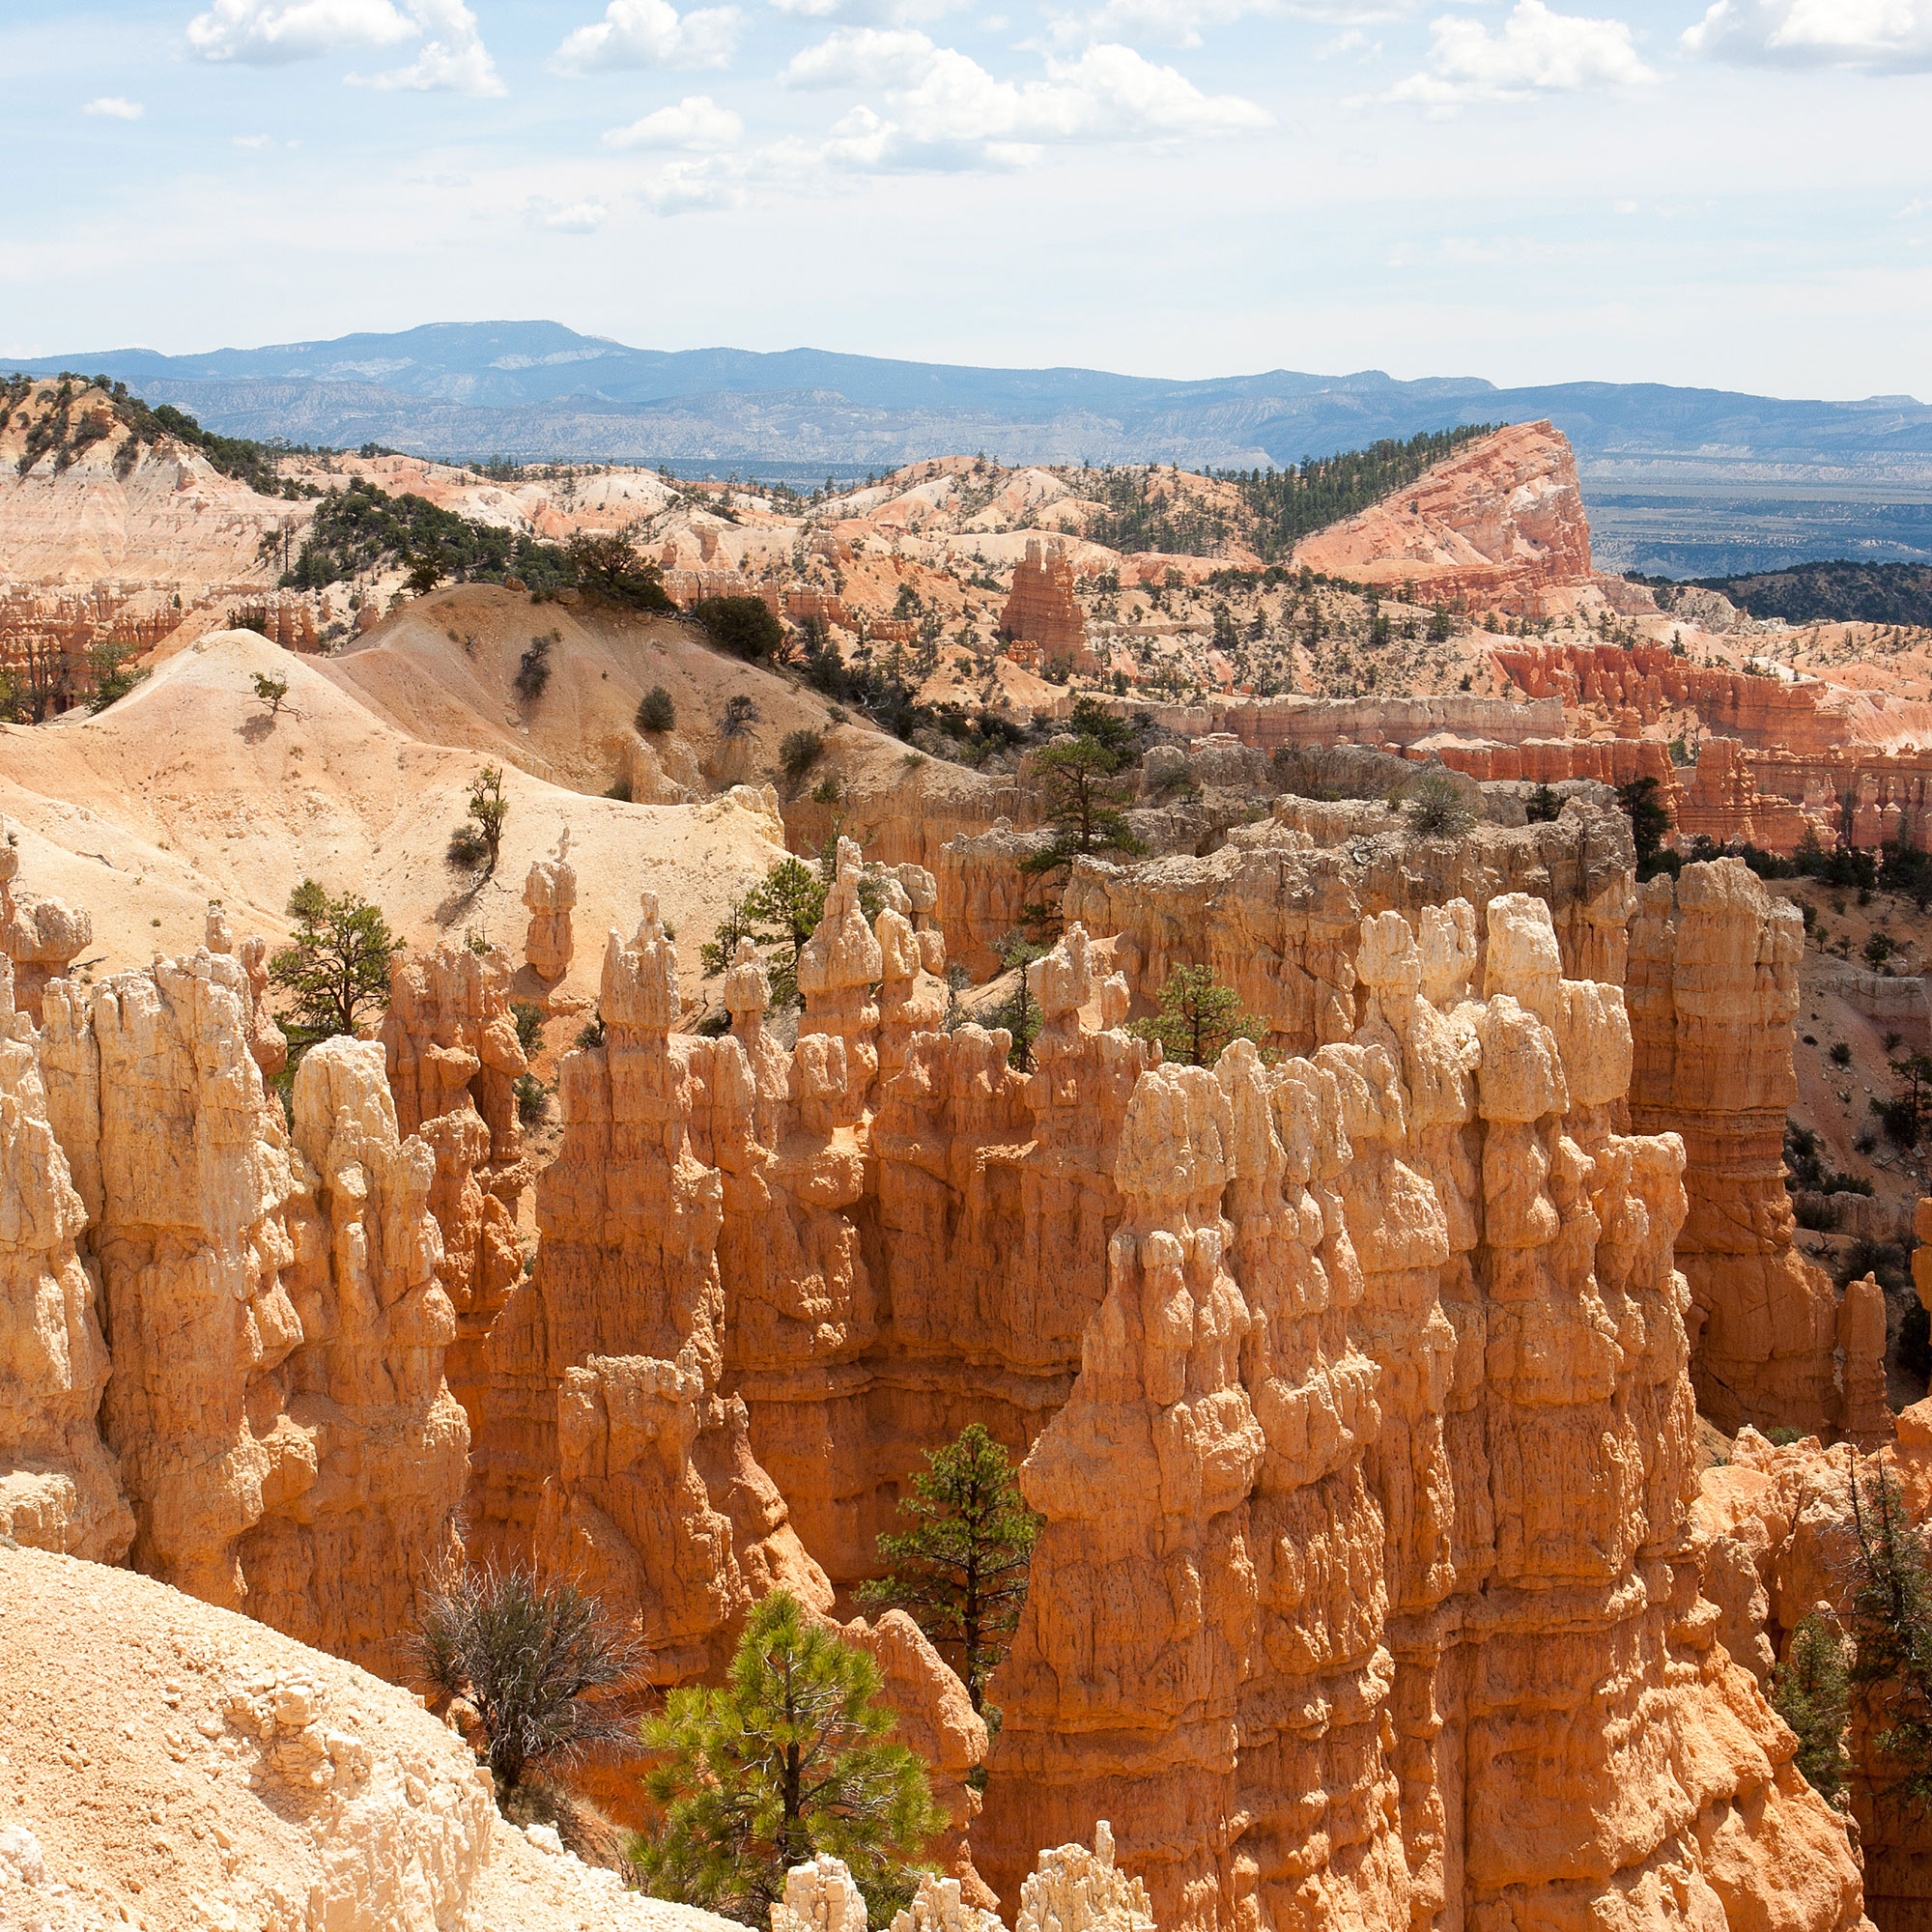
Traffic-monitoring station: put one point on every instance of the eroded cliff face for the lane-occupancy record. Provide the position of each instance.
(1364, 1588)
(59, 1489)
(273, 1394)
(1712, 987)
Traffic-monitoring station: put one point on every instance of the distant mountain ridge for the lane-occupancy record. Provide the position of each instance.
(537, 390)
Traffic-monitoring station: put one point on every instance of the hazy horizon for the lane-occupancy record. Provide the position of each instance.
(1733, 196)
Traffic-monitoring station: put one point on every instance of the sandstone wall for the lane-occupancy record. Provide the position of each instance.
(1713, 988)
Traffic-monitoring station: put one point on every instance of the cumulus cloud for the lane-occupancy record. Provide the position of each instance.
(651, 33)
(681, 187)
(863, 57)
(870, 13)
(1881, 36)
(947, 112)
(268, 33)
(697, 123)
(112, 107)
(453, 58)
(271, 33)
(1534, 51)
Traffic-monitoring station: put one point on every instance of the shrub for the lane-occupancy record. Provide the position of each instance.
(467, 848)
(655, 710)
(1543, 806)
(590, 1034)
(529, 1019)
(798, 751)
(740, 715)
(528, 1652)
(827, 791)
(534, 668)
(1435, 808)
(1817, 1216)
(1810, 1693)
(605, 564)
(619, 789)
(532, 1099)
(1842, 1053)
(744, 626)
(788, 1760)
(270, 691)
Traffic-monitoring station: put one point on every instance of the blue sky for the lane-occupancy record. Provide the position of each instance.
(1737, 195)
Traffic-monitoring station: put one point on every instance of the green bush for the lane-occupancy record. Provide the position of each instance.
(1435, 807)
(655, 710)
(532, 1099)
(798, 751)
(744, 626)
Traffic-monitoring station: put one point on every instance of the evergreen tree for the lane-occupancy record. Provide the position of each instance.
(1649, 821)
(1082, 792)
(1810, 1691)
(1892, 1640)
(960, 1570)
(791, 1758)
(784, 909)
(1199, 1019)
(336, 968)
(1019, 1012)
(489, 808)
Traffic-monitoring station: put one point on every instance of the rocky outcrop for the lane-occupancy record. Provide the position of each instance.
(1647, 680)
(1712, 987)
(59, 1489)
(187, 1175)
(452, 1057)
(1276, 913)
(339, 1564)
(606, 1442)
(1041, 612)
(549, 892)
(40, 936)
(1774, 1538)
(1499, 525)
(1375, 1469)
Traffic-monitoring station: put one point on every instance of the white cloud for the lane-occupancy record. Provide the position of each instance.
(1877, 34)
(696, 123)
(266, 32)
(271, 33)
(253, 141)
(682, 187)
(576, 217)
(112, 107)
(453, 59)
(1534, 51)
(863, 57)
(651, 33)
(874, 12)
(950, 113)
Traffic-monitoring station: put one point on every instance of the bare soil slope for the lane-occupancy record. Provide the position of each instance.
(191, 789)
(205, 1773)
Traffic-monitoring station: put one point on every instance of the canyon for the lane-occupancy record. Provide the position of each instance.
(1366, 1381)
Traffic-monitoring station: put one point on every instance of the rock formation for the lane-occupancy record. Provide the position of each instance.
(186, 1171)
(452, 1055)
(1377, 1466)
(338, 1565)
(1041, 610)
(1499, 525)
(40, 936)
(549, 892)
(1712, 986)
(59, 1489)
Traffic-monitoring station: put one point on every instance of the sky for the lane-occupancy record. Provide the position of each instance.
(1736, 195)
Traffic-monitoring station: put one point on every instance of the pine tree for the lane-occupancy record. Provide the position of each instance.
(791, 1758)
(1892, 1640)
(1019, 1012)
(1199, 1019)
(336, 967)
(1081, 794)
(960, 1571)
(1810, 1691)
(489, 808)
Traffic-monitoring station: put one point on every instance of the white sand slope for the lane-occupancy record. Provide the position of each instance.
(189, 790)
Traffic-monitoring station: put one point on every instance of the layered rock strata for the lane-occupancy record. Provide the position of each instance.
(1713, 988)
(1364, 1576)
(452, 1057)
(59, 1487)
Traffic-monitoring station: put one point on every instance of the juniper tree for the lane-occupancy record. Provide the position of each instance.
(1890, 1628)
(791, 1758)
(336, 968)
(960, 1570)
(489, 808)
